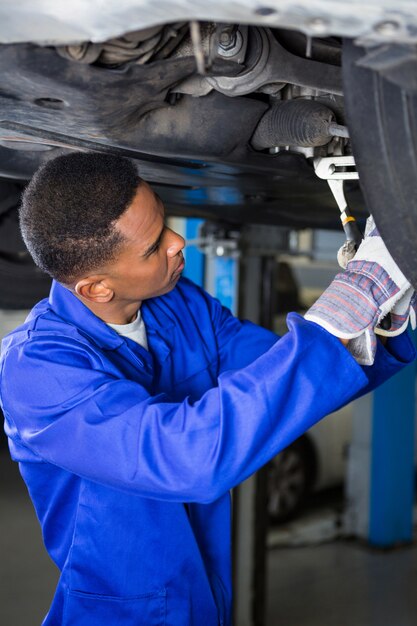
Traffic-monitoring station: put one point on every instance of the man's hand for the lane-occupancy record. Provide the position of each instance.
(360, 297)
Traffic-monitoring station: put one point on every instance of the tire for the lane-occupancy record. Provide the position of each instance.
(22, 284)
(289, 481)
(381, 114)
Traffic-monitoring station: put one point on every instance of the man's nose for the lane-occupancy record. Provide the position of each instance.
(176, 244)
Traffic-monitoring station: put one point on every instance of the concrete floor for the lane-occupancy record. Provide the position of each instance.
(27, 575)
(342, 584)
(335, 584)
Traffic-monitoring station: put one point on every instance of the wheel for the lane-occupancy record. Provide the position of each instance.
(381, 107)
(289, 481)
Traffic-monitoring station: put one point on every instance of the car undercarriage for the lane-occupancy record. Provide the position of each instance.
(225, 119)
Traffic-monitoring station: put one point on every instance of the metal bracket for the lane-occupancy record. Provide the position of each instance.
(334, 168)
(217, 240)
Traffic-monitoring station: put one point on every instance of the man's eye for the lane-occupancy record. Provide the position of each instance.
(157, 245)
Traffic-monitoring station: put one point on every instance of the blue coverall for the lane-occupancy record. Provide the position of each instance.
(129, 455)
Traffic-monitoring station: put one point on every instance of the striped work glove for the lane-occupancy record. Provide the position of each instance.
(360, 297)
(405, 309)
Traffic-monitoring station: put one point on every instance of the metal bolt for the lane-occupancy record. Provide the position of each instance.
(226, 38)
(387, 28)
(233, 45)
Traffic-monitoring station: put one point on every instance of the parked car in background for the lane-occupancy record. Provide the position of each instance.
(315, 461)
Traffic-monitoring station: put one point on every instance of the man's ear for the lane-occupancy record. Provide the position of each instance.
(94, 289)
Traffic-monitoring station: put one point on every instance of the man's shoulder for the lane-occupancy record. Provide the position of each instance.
(21, 332)
(41, 325)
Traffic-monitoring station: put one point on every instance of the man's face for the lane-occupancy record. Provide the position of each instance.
(150, 261)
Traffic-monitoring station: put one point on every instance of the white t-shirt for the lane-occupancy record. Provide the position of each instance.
(136, 330)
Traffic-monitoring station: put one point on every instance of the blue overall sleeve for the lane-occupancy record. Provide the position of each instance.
(113, 432)
(241, 342)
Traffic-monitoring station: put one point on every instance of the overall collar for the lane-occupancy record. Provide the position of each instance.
(67, 306)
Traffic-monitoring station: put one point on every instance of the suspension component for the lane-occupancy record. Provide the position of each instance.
(297, 122)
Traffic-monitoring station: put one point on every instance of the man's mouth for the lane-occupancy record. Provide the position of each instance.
(180, 266)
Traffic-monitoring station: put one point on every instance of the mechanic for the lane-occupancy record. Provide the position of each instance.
(134, 401)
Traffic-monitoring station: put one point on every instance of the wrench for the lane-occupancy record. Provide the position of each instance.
(333, 169)
(336, 170)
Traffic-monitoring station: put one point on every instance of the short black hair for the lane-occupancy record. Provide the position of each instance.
(69, 209)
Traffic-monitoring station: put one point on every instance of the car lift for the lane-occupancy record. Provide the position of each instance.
(237, 265)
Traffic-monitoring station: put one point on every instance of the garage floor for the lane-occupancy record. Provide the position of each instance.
(336, 584)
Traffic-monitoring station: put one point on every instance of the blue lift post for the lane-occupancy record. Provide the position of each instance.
(194, 259)
(224, 267)
(219, 275)
(392, 461)
(222, 280)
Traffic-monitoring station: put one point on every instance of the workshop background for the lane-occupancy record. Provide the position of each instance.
(324, 535)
